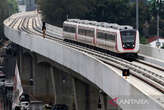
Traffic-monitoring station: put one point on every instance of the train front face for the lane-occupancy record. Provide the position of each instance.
(128, 41)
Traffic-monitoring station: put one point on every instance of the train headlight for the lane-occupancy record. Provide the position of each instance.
(133, 45)
(123, 45)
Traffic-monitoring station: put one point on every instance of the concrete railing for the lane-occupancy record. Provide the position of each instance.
(152, 52)
(104, 76)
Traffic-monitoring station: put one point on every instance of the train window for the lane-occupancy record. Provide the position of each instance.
(101, 35)
(110, 37)
(69, 29)
(90, 33)
(81, 32)
(128, 36)
(106, 36)
(86, 32)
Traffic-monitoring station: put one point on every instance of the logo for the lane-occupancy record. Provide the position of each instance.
(113, 101)
(127, 101)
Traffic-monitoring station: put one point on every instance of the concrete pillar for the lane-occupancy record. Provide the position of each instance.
(53, 82)
(43, 83)
(74, 93)
(87, 96)
(81, 95)
(93, 97)
(34, 74)
(20, 60)
(64, 88)
(26, 72)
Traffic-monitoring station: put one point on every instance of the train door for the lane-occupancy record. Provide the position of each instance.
(76, 33)
(81, 34)
(89, 35)
(107, 41)
(110, 41)
(100, 40)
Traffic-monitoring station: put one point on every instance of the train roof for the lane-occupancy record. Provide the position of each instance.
(101, 24)
(80, 24)
(70, 23)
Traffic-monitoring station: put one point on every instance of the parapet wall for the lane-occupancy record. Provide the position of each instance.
(152, 52)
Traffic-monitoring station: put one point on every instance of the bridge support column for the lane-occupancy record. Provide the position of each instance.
(87, 97)
(43, 83)
(81, 95)
(53, 82)
(93, 97)
(25, 69)
(64, 88)
(75, 94)
(20, 60)
(33, 77)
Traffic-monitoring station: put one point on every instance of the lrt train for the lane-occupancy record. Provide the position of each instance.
(119, 39)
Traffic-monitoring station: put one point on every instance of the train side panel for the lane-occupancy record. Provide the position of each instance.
(70, 36)
(86, 34)
(71, 33)
(90, 35)
(106, 42)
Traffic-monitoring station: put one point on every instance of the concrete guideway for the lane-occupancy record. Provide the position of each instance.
(152, 52)
(104, 76)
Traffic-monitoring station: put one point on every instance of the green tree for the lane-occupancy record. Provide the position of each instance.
(7, 7)
(3, 15)
(143, 40)
(99, 10)
(13, 6)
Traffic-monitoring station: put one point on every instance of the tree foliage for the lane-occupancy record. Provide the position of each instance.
(3, 15)
(13, 6)
(7, 7)
(113, 11)
(99, 10)
(143, 40)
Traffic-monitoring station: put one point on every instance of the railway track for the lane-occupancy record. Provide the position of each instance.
(151, 78)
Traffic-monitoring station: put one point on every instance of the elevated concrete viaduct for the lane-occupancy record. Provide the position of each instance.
(55, 73)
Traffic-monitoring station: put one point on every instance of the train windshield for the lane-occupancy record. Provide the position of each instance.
(128, 36)
(128, 39)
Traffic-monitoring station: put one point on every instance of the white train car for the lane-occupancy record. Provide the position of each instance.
(112, 37)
